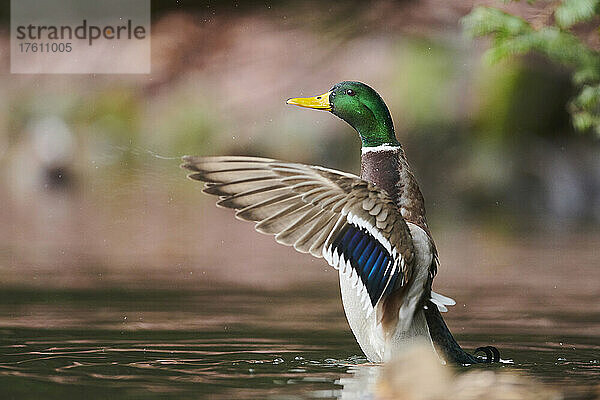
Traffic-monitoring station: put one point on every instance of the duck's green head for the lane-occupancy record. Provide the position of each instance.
(361, 107)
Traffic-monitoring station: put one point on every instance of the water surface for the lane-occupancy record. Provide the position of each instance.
(229, 342)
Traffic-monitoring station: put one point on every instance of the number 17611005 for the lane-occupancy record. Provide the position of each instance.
(34, 47)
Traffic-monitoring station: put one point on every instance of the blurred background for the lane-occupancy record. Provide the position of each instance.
(90, 188)
(92, 197)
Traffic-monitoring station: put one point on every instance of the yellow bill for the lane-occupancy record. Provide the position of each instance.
(320, 102)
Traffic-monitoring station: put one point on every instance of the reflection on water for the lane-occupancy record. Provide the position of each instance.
(184, 364)
(222, 343)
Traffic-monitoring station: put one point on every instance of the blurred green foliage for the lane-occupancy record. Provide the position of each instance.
(556, 40)
(426, 83)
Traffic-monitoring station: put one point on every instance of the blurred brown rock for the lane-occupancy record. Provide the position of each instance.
(419, 375)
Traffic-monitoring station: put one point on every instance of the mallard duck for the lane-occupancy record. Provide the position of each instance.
(371, 228)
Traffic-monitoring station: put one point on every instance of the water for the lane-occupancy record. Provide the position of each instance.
(229, 342)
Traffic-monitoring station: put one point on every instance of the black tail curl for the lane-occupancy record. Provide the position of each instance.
(491, 353)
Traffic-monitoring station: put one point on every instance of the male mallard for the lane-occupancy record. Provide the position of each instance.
(371, 228)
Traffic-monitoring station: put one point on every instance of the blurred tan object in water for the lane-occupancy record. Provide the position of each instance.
(418, 375)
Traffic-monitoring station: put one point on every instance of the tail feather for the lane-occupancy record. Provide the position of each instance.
(441, 301)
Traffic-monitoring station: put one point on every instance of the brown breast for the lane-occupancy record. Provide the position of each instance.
(389, 170)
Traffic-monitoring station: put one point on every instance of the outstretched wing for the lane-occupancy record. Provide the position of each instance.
(353, 224)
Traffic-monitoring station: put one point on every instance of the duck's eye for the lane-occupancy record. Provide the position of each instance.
(350, 92)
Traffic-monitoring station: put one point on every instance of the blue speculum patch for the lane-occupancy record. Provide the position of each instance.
(369, 258)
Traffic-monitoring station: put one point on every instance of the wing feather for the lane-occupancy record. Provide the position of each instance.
(253, 197)
(308, 239)
(309, 208)
(241, 186)
(298, 228)
(282, 219)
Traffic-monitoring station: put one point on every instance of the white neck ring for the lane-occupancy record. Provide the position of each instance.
(383, 147)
